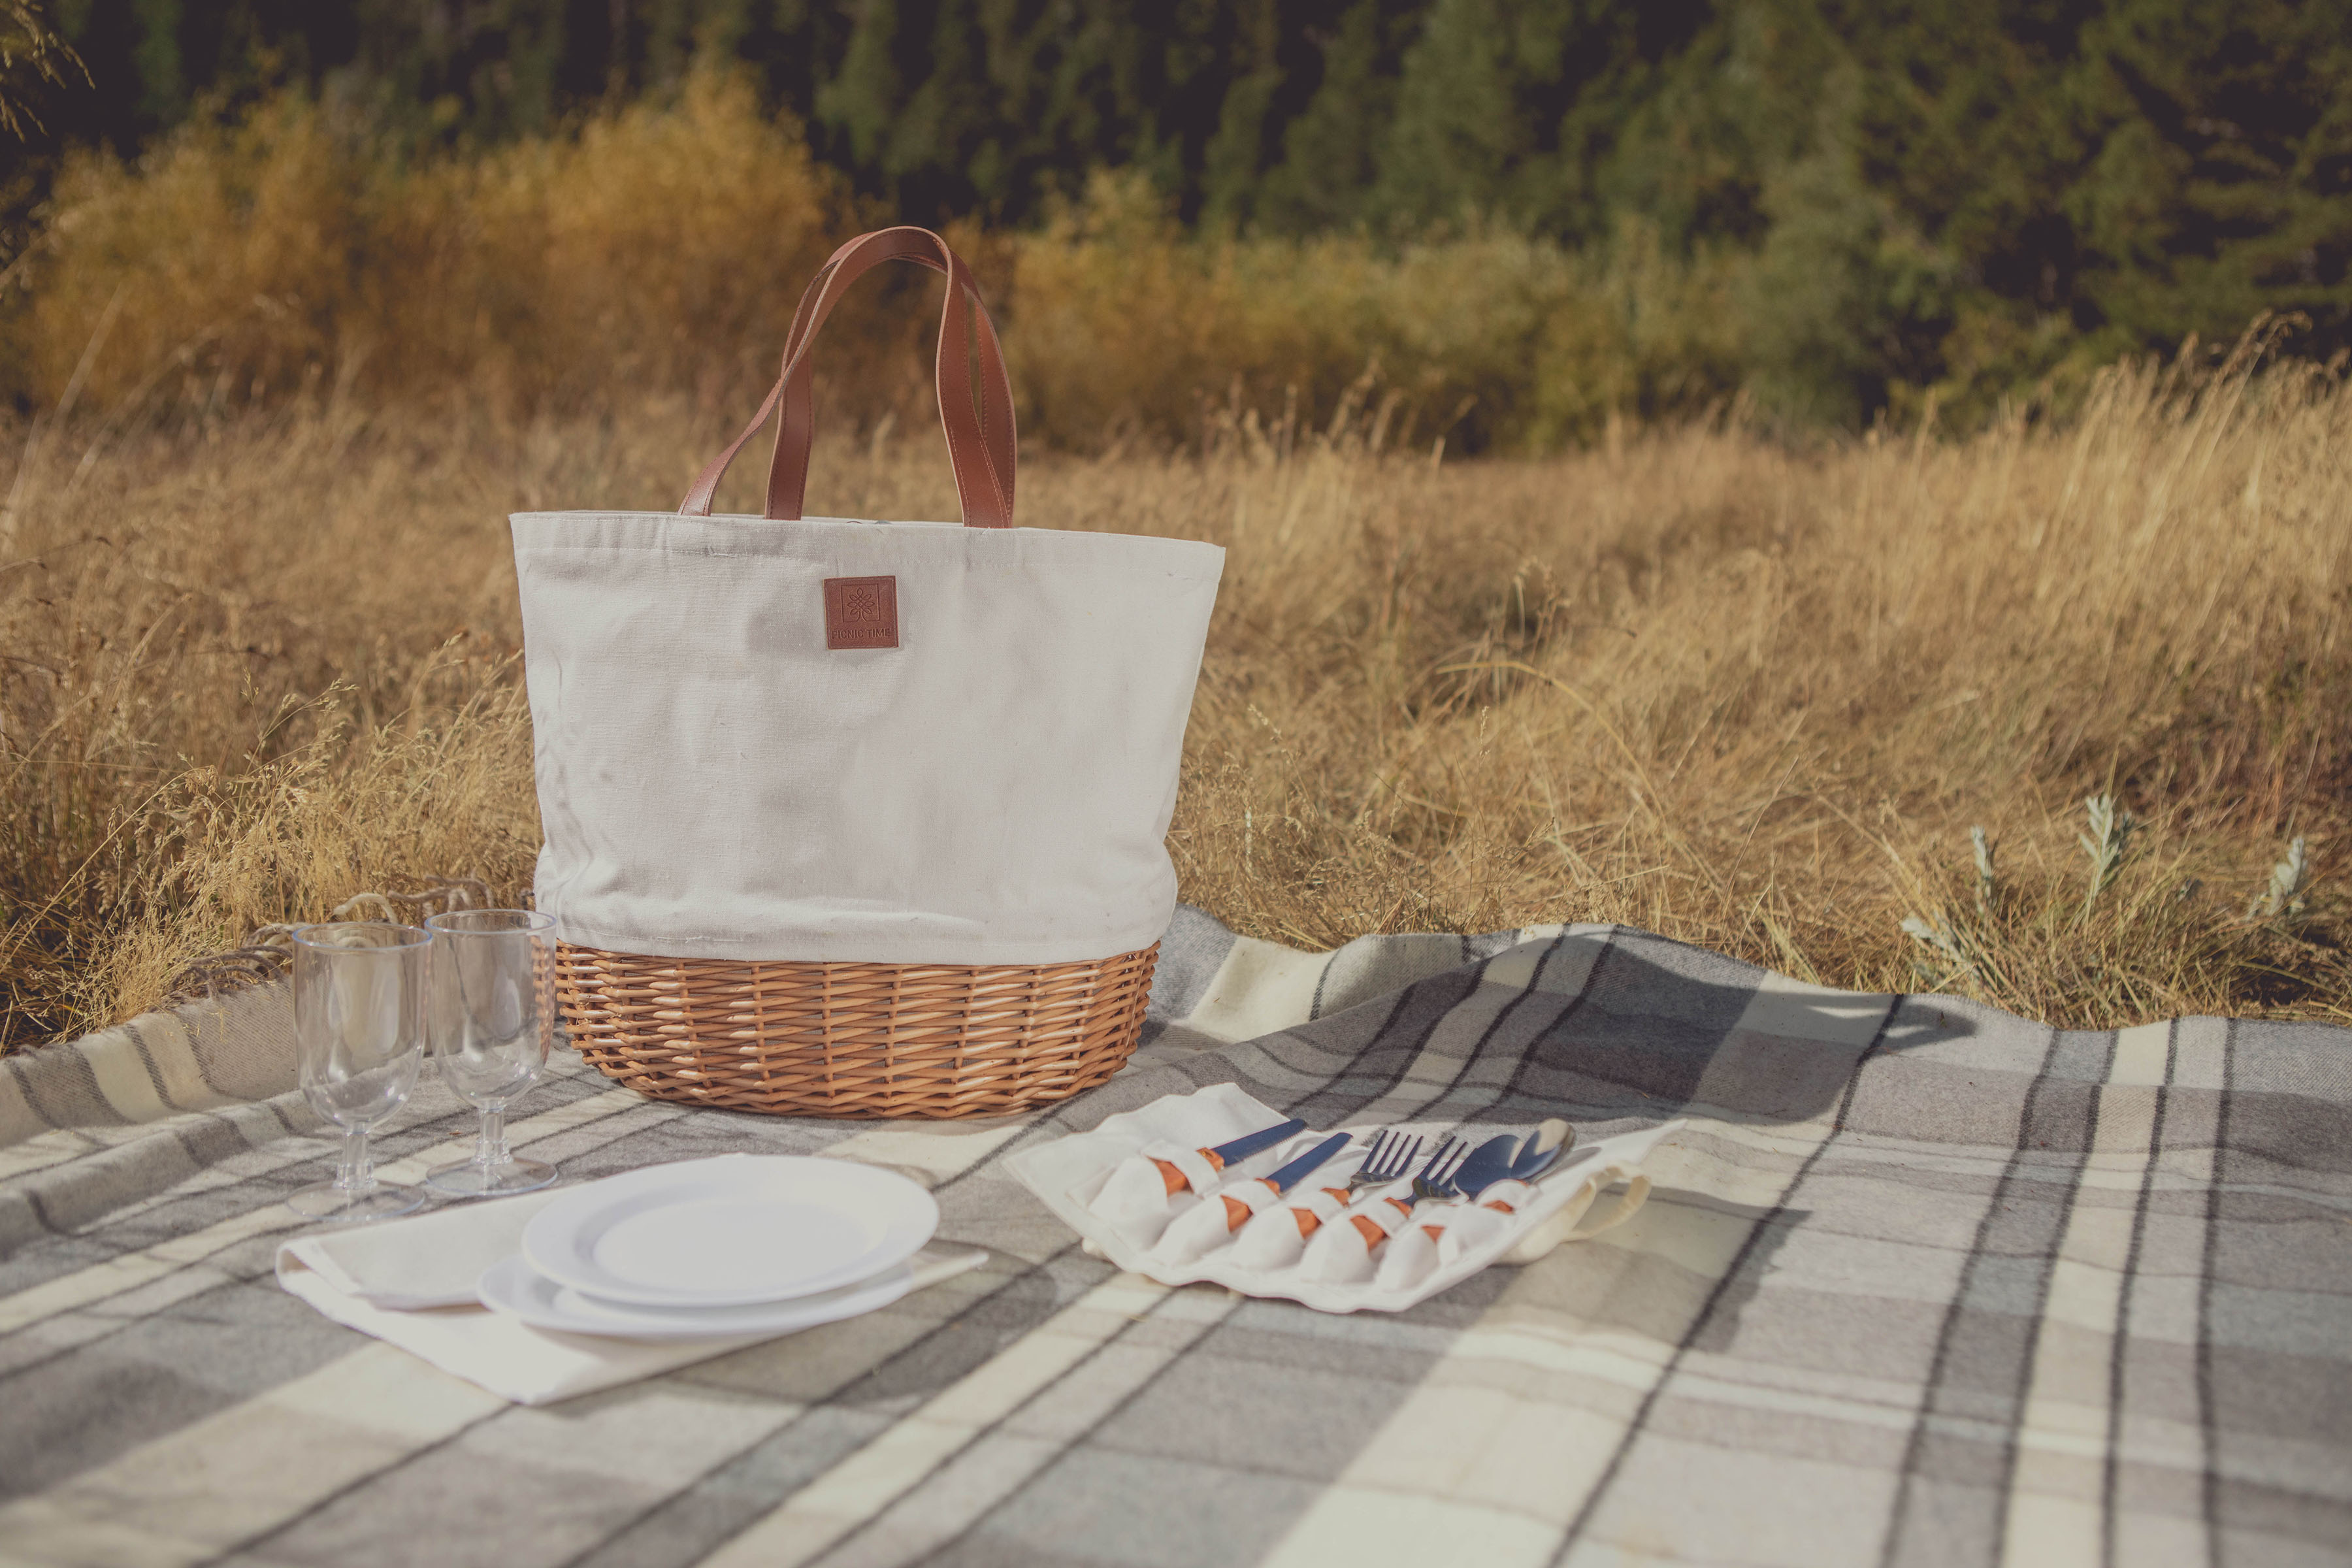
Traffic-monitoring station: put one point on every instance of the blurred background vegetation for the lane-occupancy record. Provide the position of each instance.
(1552, 211)
(299, 298)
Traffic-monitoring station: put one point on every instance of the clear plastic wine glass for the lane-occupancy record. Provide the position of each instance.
(493, 1008)
(359, 1025)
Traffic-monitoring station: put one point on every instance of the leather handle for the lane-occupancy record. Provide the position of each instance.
(983, 443)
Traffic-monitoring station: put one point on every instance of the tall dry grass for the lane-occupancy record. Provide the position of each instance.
(1692, 680)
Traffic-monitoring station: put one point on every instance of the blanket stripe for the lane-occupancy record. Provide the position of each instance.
(1919, 1283)
(2059, 1465)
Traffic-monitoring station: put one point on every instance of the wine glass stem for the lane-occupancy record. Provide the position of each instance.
(492, 1151)
(354, 1170)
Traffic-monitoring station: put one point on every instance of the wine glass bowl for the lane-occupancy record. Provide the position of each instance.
(493, 1020)
(359, 1025)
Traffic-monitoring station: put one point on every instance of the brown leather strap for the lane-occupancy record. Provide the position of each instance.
(985, 488)
(982, 443)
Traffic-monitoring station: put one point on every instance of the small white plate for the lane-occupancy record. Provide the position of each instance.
(512, 1287)
(734, 1231)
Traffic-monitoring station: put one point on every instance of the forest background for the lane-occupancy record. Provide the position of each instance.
(1910, 544)
(1843, 208)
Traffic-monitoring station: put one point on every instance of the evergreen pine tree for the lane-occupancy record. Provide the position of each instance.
(1329, 149)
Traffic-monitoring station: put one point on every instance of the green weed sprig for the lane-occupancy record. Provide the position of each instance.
(2107, 842)
(2290, 880)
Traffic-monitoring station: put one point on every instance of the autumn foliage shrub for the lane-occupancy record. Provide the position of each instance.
(662, 246)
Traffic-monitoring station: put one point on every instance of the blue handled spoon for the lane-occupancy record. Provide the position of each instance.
(1542, 1150)
(1507, 1159)
(1489, 1163)
(1538, 1153)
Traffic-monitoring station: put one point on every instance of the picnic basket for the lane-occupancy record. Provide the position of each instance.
(855, 1039)
(851, 818)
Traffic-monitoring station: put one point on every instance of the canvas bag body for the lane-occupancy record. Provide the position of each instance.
(724, 775)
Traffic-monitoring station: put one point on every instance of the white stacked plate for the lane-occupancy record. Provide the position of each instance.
(742, 1244)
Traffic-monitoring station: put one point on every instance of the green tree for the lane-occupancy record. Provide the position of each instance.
(1514, 108)
(2217, 169)
(2047, 183)
(1328, 164)
(1966, 198)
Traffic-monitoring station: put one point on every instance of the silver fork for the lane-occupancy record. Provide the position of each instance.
(1392, 1155)
(1436, 1178)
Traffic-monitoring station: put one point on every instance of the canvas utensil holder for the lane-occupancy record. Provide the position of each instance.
(1600, 1184)
(854, 818)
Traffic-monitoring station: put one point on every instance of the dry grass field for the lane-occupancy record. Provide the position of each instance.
(1745, 693)
(259, 638)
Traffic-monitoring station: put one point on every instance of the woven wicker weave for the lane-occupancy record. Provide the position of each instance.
(854, 1039)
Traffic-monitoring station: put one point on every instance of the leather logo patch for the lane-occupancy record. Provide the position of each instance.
(861, 611)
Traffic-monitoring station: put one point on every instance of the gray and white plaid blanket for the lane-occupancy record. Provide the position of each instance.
(1920, 1284)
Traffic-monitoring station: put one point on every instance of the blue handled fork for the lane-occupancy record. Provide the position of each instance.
(1436, 1180)
(1390, 1155)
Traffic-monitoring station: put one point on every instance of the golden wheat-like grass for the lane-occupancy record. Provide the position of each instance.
(1695, 681)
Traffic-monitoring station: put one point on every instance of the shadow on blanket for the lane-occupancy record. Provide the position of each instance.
(1608, 1027)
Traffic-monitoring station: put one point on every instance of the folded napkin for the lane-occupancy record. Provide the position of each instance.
(429, 1260)
(409, 1282)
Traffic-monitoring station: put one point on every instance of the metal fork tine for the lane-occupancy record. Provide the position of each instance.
(1378, 1159)
(1393, 1154)
(1436, 1178)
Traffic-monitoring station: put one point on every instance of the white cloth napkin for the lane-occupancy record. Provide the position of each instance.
(409, 1282)
(428, 1260)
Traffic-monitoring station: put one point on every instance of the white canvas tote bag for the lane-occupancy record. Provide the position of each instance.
(822, 739)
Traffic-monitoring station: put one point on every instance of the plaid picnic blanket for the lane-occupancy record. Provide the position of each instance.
(1921, 1283)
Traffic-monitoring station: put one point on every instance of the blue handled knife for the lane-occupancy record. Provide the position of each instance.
(1224, 1154)
(1298, 1170)
(1237, 1213)
(1242, 1147)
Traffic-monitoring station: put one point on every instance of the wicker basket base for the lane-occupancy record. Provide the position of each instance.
(854, 1039)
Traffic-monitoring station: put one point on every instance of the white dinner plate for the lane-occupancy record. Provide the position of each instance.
(512, 1287)
(734, 1231)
